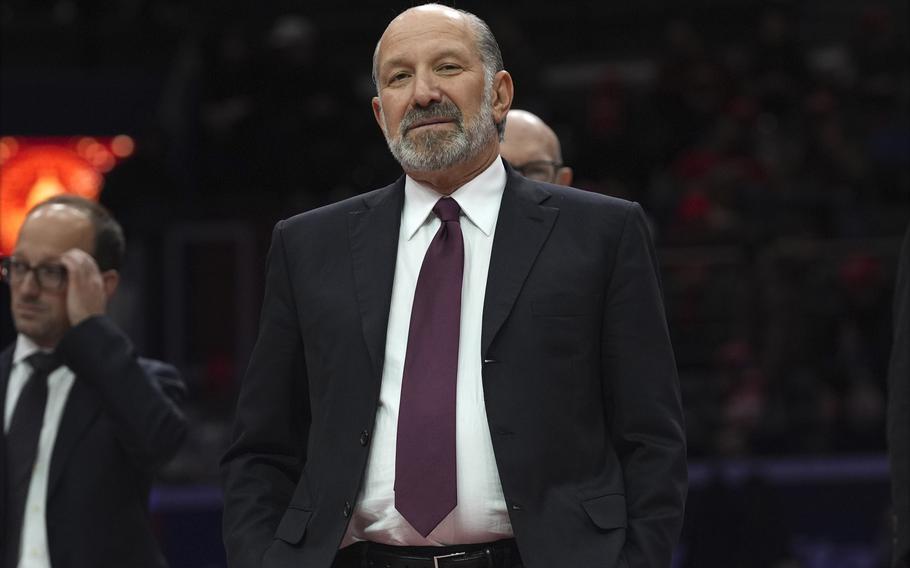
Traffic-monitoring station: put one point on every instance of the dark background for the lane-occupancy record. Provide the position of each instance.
(769, 143)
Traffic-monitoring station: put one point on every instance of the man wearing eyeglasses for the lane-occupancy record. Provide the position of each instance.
(532, 149)
(85, 422)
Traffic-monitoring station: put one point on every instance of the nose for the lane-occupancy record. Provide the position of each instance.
(426, 90)
(29, 284)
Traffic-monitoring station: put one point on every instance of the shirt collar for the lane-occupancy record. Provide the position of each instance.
(24, 348)
(479, 200)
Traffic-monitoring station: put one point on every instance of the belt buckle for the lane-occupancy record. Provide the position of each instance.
(436, 559)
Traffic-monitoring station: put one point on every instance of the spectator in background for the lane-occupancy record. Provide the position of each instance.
(533, 150)
(85, 422)
(899, 411)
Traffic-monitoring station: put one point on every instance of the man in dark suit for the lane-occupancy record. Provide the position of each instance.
(899, 410)
(85, 422)
(465, 368)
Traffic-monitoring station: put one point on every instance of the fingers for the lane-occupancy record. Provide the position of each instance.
(85, 295)
(79, 264)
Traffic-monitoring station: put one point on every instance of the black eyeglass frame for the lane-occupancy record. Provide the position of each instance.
(48, 276)
(522, 168)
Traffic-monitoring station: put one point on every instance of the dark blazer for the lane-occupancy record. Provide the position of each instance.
(578, 373)
(119, 424)
(899, 410)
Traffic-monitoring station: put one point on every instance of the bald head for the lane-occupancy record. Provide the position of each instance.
(455, 15)
(484, 40)
(532, 147)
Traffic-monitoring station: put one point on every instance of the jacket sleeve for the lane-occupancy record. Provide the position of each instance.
(264, 462)
(140, 397)
(641, 389)
(899, 411)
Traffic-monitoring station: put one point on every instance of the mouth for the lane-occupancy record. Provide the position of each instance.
(430, 123)
(27, 309)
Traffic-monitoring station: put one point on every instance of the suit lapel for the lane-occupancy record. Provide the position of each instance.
(6, 365)
(373, 235)
(82, 408)
(523, 227)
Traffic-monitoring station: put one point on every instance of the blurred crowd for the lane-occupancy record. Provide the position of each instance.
(778, 178)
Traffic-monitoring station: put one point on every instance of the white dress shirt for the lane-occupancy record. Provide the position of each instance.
(33, 549)
(480, 515)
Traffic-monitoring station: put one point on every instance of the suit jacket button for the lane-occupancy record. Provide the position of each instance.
(347, 509)
(364, 437)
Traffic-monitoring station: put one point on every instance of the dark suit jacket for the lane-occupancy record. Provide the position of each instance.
(578, 373)
(118, 426)
(899, 410)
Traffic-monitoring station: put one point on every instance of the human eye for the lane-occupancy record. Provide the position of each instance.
(448, 68)
(398, 77)
(51, 272)
(18, 267)
(537, 171)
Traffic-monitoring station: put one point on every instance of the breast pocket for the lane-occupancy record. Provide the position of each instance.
(564, 327)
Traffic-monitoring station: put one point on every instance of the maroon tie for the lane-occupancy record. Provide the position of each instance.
(425, 490)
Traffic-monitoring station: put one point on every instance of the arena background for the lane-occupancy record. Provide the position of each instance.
(769, 143)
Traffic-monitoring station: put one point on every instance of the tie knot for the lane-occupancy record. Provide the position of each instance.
(42, 362)
(447, 209)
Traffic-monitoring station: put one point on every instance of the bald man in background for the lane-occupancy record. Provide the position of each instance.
(532, 149)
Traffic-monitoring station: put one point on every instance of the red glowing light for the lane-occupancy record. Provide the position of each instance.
(122, 146)
(36, 169)
(8, 147)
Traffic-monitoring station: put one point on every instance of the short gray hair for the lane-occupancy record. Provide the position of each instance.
(487, 47)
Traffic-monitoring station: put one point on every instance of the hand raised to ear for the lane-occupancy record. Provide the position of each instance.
(85, 294)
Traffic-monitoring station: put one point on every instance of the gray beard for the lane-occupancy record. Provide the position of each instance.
(435, 150)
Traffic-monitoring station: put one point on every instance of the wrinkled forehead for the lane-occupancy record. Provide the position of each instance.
(424, 26)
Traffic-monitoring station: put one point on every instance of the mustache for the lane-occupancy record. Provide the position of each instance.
(442, 110)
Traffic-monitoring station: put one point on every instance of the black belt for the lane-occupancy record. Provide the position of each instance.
(499, 554)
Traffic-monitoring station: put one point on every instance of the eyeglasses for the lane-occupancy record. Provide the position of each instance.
(49, 276)
(540, 170)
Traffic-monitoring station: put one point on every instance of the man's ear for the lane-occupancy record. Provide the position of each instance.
(377, 114)
(564, 176)
(503, 92)
(110, 279)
